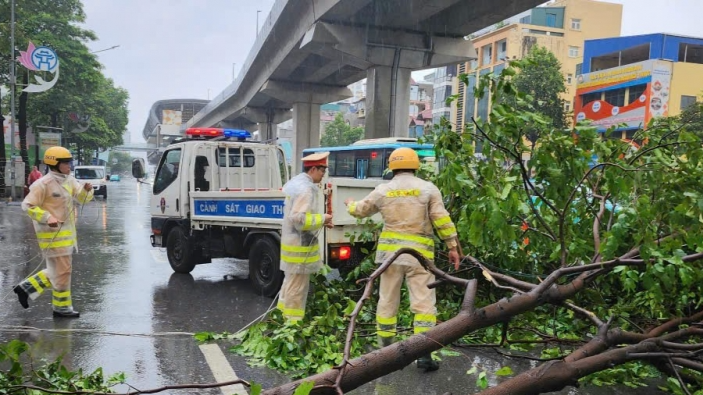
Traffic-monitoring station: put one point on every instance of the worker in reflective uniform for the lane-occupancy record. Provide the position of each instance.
(50, 203)
(411, 208)
(300, 248)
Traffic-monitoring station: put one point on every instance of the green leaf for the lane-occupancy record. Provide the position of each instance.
(504, 371)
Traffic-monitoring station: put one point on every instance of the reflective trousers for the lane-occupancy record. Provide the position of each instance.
(56, 276)
(422, 299)
(294, 295)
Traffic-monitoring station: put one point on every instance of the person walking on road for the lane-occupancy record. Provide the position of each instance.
(300, 248)
(34, 175)
(50, 204)
(410, 208)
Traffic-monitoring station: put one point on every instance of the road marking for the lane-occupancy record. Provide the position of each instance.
(221, 369)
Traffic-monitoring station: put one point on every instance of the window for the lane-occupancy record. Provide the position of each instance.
(573, 52)
(94, 174)
(282, 166)
(551, 20)
(168, 170)
(567, 106)
(487, 55)
(235, 158)
(636, 91)
(376, 163)
(569, 78)
(687, 101)
(345, 162)
(590, 97)
(579, 69)
(615, 97)
(576, 24)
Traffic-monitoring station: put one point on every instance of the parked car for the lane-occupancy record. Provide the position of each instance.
(114, 177)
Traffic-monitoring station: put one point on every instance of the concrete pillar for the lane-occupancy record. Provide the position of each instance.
(306, 131)
(387, 102)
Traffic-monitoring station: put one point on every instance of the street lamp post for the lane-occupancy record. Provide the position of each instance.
(106, 49)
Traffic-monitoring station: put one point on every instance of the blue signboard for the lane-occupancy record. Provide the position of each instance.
(240, 208)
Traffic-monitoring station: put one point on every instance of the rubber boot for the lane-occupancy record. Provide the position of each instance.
(427, 363)
(67, 314)
(22, 295)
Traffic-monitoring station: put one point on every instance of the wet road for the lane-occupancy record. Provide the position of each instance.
(138, 317)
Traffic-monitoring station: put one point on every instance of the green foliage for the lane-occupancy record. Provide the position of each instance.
(339, 133)
(541, 78)
(527, 218)
(24, 371)
(314, 345)
(81, 89)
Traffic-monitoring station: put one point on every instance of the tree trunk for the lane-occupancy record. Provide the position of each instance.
(22, 119)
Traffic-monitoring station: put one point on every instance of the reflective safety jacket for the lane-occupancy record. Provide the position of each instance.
(300, 248)
(57, 195)
(411, 208)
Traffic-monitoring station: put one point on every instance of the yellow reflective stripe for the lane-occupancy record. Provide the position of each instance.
(403, 193)
(35, 213)
(421, 329)
(402, 236)
(426, 318)
(300, 259)
(44, 279)
(35, 284)
(446, 232)
(62, 294)
(387, 321)
(56, 244)
(442, 221)
(352, 208)
(396, 247)
(385, 333)
(58, 303)
(280, 306)
(312, 220)
(51, 235)
(289, 248)
(293, 313)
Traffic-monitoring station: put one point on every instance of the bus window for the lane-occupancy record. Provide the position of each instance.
(361, 166)
(332, 164)
(345, 162)
(376, 166)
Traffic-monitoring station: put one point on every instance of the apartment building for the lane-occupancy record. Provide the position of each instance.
(561, 26)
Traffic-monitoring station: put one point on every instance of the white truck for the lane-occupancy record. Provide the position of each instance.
(216, 195)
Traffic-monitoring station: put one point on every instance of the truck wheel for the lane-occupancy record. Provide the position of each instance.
(264, 266)
(180, 251)
(105, 194)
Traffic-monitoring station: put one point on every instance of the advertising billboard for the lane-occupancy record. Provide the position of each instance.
(627, 97)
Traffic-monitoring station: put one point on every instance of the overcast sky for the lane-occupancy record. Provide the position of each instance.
(171, 49)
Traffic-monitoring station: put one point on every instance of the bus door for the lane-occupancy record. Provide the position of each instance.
(361, 168)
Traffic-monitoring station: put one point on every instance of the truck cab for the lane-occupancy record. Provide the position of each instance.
(217, 195)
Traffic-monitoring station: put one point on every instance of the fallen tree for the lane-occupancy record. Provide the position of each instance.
(606, 229)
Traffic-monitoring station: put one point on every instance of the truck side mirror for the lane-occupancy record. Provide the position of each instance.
(138, 168)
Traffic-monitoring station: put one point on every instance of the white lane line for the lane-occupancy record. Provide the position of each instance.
(221, 369)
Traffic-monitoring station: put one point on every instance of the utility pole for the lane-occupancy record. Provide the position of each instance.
(13, 84)
(233, 67)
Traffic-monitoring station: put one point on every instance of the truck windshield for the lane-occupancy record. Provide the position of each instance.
(89, 174)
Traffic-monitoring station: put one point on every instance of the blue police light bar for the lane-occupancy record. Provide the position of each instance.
(236, 133)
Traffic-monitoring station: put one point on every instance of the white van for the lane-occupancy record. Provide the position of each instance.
(95, 175)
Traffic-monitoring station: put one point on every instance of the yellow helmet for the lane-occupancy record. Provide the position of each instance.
(54, 155)
(404, 159)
